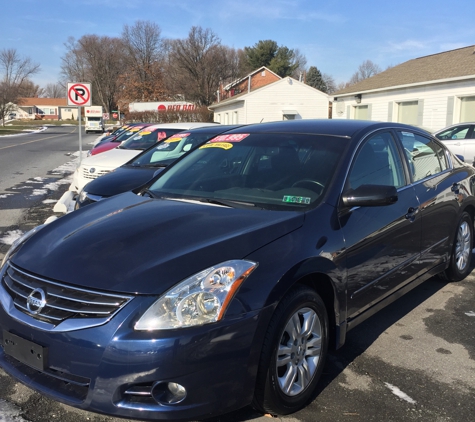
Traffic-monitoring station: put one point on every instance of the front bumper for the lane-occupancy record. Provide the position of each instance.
(112, 369)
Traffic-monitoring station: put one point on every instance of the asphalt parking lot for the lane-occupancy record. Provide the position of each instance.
(413, 361)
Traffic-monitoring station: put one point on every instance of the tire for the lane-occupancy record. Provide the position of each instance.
(292, 356)
(461, 257)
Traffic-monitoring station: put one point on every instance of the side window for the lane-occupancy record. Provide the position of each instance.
(377, 163)
(425, 157)
(458, 132)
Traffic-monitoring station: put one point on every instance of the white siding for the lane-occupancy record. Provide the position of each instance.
(438, 110)
(268, 104)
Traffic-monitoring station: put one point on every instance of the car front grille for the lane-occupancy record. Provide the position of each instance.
(88, 175)
(62, 302)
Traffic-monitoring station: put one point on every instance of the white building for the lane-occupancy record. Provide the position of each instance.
(430, 92)
(161, 106)
(284, 99)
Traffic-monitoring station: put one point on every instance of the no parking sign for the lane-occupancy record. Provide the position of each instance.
(79, 94)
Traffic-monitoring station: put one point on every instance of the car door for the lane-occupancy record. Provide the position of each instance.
(382, 242)
(436, 187)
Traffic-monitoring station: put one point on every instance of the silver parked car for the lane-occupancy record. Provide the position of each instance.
(460, 139)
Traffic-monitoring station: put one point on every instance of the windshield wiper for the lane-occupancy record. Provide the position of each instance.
(227, 203)
(148, 193)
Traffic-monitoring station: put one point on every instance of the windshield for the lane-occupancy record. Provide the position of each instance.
(93, 119)
(270, 171)
(128, 133)
(147, 137)
(172, 148)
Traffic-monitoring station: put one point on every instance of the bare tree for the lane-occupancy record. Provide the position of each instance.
(299, 59)
(144, 59)
(97, 60)
(198, 63)
(329, 82)
(74, 67)
(30, 89)
(365, 71)
(15, 71)
(56, 90)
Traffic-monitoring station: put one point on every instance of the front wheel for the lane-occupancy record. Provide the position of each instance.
(293, 353)
(461, 256)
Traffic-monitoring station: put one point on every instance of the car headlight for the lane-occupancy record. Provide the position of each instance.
(82, 196)
(18, 242)
(200, 299)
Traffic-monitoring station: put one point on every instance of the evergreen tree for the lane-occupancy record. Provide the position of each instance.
(315, 79)
(282, 63)
(261, 54)
(280, 60)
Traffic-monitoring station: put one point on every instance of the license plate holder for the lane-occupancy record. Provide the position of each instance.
(25, 351)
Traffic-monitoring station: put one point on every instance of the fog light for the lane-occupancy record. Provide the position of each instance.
(168, 392)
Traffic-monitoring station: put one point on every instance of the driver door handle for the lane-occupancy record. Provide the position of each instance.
(411, 213)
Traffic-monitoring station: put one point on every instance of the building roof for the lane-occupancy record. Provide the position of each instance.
(238, 81)
(459, 63)
(31, 102)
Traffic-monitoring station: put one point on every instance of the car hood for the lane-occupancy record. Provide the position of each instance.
(103, 147)
(110, 159)
(121, 180)
(133, 244)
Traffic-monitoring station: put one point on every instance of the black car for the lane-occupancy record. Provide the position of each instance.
(226, 281)
(142, 168)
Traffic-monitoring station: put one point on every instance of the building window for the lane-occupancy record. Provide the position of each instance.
(263, 73)
(407, 112)
(361, 112)
(467, 109)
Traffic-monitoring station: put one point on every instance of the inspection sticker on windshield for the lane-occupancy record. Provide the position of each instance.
(234, 137)
(178, 137)
(223, 145)
(296, 199)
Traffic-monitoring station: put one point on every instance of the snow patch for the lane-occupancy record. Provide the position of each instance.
(37, 192)
(399, 393)
(11, 236)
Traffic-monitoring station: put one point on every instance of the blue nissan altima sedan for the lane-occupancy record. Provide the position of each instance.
(224, 282)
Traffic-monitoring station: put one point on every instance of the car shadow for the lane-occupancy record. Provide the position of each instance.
(358, 341)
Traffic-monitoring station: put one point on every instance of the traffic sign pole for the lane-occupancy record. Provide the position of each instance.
(80, 136)
(79, 95)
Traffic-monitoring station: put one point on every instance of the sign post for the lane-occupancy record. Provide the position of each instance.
(79, 95)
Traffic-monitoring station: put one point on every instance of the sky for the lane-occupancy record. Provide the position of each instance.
(336, 36)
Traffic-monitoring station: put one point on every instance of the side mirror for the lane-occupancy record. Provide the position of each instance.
(370, 196)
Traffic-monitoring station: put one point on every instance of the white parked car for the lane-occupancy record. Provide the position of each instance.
(97, 165)
(460, 139)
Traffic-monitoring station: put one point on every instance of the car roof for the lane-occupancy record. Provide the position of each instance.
(217, 128)
(454, 125)
(180, 125)
(335, 127)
